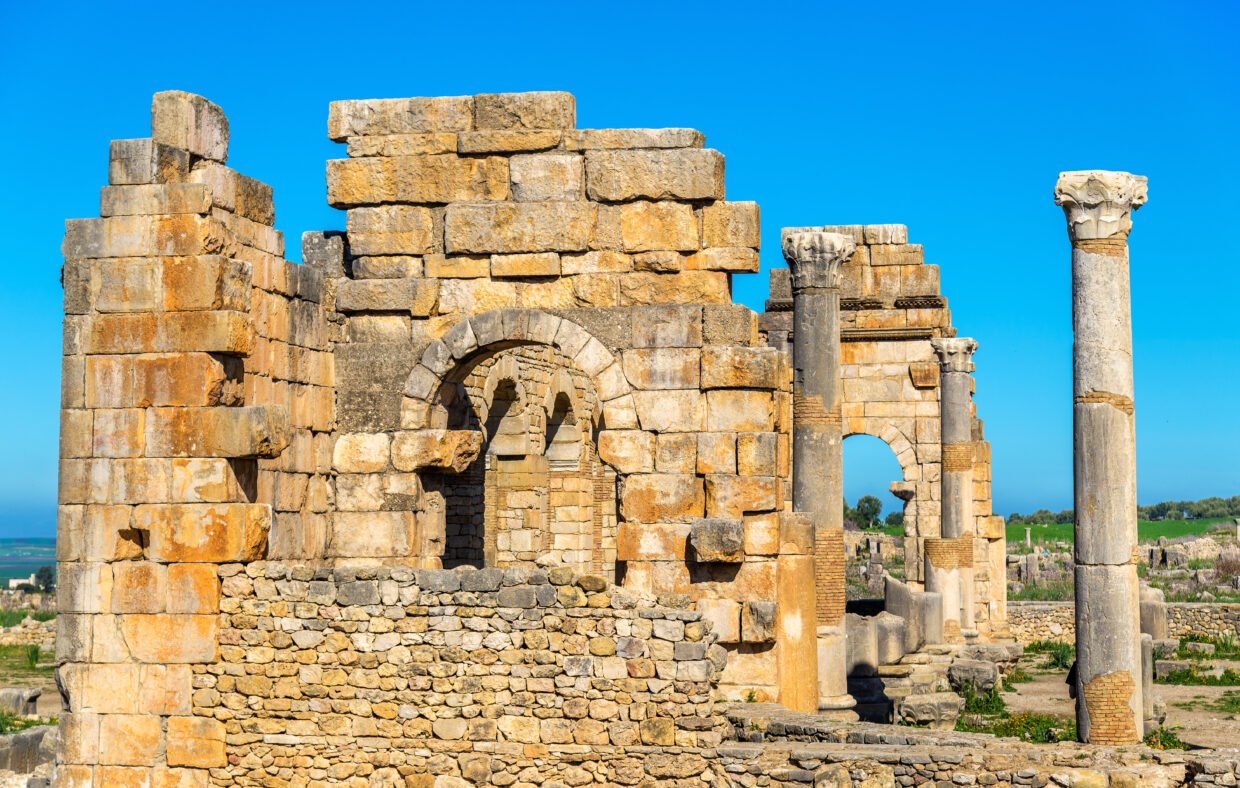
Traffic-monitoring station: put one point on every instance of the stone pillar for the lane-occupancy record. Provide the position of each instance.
(1028, 536)
(816, 260)
(1098, 207)
(797, 657)
(949, 558)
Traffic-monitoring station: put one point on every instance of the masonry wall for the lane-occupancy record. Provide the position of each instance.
(197, 403)
(891, 307)
(397, 676)
(1032, 621)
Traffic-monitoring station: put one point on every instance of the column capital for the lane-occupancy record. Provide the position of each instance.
(1099, 203)
(955, 353)
(816, 258)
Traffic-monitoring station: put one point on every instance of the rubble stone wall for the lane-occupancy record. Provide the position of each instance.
(1032, 621)
(491, 675)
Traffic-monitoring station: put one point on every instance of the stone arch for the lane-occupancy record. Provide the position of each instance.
(487, 333)
(547, 495)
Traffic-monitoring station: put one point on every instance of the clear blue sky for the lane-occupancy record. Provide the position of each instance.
(952, 118)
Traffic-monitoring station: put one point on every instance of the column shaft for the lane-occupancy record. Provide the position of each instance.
(1108, 632)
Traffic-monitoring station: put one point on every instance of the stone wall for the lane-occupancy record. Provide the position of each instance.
(1032, 621)
(483, 674)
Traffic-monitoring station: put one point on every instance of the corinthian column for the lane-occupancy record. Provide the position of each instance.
(816, 260)
(1098, 206)
(949, 558)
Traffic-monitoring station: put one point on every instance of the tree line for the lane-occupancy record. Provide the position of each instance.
(1166, 510)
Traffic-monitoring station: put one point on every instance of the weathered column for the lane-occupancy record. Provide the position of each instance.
(1098, 206)
(816, 260)
(949, 558)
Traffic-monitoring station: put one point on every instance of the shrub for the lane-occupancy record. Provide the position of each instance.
(1162, 738)
(1194, 677)
(988, 702)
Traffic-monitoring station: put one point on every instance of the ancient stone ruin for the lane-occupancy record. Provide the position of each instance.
(499, 486)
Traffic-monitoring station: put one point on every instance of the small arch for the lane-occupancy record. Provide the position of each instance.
(564, 443)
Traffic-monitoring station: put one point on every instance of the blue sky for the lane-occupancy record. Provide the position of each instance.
(951, 118)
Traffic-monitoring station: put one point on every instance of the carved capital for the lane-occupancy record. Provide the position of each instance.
(816, 259)
(955, 353)
(1099, 203)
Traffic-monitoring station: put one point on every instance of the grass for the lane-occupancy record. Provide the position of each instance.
(1162, 738)
(22, 661)
(12, 723)
(1026, 726)
(1017, 675)
(1147, 530)
(989, 702)
(1193, 676)
(1228, 703)
(11, 618)
(1225, 647)
(1062, 655)
(1056, 591)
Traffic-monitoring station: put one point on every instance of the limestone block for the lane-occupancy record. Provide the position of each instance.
(718, 540)
(445, 450)
(670, 411)
(740, 367)
(129, 739)
(525, 265)
(659, 262)
(390, 229)
(506, 141)
(628, 451)
(402, 144)
(936, 710)
(457, 266)
(896, 254)
(733, 259)
(532, 110)
(885, 234)
(762, 534)
(251, 431)
(651, 541)
(232, 191)
(84, 588)
(724, 616)
(132, 162)
(204, 282)
(653, 226)
(144, 236)
(416, 296)
(196, 742)
(738, 410)
(661, 497)
(438, 178)
(361, 453)
(547, 177)
(982, 675)
(392, 267)
(731, 224)
(208, 332)
(716, 452)
(667, 326)
(758, 621)
(210, 533)
(170, 639)
(182, 379)
(139, 587)
(590, 139)
(518, 227)
(729, 324)
(154, 199)
(688, 287)
(595, 263)
(889, 634)
(733, 496)
(378, 117)
(756, 454)
(662, 368)
(118, 432)
(373, 535)
(190, 123)
(193, 589)
(684, 174)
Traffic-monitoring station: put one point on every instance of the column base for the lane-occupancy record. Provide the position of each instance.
(838, 707)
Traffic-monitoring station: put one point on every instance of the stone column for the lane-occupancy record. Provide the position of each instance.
(816, 260)
(1098, 206)
(949, 558)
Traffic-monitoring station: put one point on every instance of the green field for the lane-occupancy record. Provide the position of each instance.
(1147, 530)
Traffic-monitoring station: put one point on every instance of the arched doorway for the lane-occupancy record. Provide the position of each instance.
(874, 510)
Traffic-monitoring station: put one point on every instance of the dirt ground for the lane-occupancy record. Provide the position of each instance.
(1198, 726)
